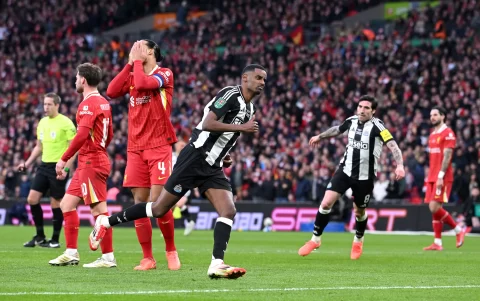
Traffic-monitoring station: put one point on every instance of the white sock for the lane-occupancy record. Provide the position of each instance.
(105, 222)
(149, 209)
(458, 229)
(437, 241)
(71, 252)
(108, 256)
(356, 239)
(216, 262)
(316, 239)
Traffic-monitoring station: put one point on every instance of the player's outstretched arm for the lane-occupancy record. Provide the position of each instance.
(211, 124)
(331, 132)
(119, 85)
(397, 156)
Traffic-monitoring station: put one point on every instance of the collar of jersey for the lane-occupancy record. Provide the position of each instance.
(91, 94)
(443, 127)
(153, 70)
(241, 94)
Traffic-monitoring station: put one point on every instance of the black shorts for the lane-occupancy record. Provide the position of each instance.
(191, 171)
(362, 189)
(46, 180)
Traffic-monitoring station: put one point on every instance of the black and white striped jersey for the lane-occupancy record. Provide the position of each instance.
(230, 107)
(365, 142)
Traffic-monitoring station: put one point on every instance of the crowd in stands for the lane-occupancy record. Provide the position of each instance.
(311, 86)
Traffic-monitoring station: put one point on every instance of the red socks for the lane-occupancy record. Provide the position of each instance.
(167, 226)
(72, 223)
(107, 243)
(143, 227)
(447, 218)
(440, 217)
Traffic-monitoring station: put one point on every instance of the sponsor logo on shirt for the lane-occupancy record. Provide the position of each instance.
(450, 137)
(139, 100)
(86, 113)
(85, 108)
(357, 144)
(165, 75)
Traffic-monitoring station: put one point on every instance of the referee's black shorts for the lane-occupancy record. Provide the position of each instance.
(361, 189)
(191, 171)
(46, 180)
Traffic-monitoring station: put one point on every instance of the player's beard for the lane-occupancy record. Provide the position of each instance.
(436, 123)
(79, 89)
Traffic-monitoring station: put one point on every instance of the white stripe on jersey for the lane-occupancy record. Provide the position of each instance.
(365, 153)
(222, 141)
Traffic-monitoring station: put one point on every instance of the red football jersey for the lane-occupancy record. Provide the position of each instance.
(94, 113)
(149, 123)
(437, 143)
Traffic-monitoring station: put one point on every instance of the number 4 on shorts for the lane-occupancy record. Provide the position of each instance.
(161, 167)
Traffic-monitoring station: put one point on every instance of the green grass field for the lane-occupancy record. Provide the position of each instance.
(393, 267)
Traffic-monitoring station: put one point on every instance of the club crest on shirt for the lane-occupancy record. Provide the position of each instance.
(177, 188)
(53, 135)
(220, 103)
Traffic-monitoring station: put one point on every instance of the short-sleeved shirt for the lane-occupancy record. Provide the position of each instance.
(149, 124)
(365, 143)
(55, 134)
(94, 113)
(230, 107)
(437, 143)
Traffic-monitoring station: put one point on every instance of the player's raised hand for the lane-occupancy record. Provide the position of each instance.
(251, 126)
(314, 141)
(399, 172)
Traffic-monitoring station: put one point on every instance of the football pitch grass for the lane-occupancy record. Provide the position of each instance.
(393, 267)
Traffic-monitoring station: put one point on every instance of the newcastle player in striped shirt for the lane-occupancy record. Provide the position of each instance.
(200, 163)
(357, 170)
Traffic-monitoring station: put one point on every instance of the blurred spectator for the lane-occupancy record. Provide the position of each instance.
(380, 187)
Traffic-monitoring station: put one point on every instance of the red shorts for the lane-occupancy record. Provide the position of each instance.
(148, 167)
(441, 196)
(90, 184)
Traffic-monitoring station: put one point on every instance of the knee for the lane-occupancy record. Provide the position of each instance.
(359, 213)
(229, 212)
(434, 207)
(326, 205)
(32, 201)
(66, 207)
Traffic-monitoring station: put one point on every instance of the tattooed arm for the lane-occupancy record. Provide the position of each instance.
(397, 156)
(447, 158)
(331, 132)
(396, 152)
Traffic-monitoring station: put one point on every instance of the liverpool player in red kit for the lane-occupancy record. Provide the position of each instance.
(150, 139)
(94, 133)
(440, 178)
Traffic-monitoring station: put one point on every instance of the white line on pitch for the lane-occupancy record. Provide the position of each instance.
(207, 291)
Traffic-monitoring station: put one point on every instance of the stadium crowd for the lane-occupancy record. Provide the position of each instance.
(311, 86)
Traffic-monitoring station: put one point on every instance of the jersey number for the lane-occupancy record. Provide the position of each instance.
(161, 167)
(84, 189)
(106, 121)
